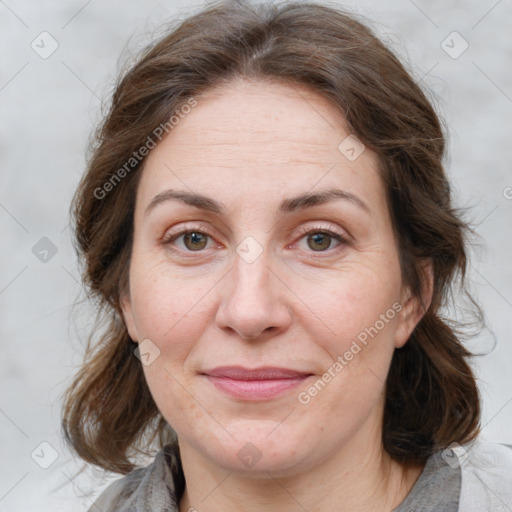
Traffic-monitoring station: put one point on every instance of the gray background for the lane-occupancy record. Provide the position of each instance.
(49, 107)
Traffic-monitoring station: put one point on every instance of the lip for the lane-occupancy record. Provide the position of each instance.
(255, 384)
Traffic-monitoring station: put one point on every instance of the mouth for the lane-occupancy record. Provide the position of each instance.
(257, 384)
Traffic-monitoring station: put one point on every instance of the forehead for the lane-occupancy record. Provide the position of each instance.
(263, 110)
(259, 138)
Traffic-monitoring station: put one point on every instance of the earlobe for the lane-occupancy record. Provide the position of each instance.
(413, 307)
(405, 324)
(127, 309)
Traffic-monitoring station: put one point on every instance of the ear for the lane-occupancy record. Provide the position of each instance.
(414, 308)
(128, 316)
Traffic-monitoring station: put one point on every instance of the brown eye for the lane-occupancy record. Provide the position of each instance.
(192, 240)
(195, 241)
(319, 241)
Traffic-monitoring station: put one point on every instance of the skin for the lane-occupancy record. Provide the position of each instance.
(250, 145)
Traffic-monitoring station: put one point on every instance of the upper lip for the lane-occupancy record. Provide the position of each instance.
(263, 373)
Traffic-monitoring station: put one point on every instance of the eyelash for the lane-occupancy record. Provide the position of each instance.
(302, 232)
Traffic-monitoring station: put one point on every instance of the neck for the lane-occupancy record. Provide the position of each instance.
(357, 477)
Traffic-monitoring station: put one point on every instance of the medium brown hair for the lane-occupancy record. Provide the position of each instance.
(431, 394)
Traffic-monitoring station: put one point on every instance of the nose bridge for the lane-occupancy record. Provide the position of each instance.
(251, 277)
(252, 302)
(251, 266)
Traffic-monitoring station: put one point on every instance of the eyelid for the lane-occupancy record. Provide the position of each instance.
(329, 229)
(181, 230)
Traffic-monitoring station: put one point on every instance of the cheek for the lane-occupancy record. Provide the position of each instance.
(351, 300)
(170, 310)
(360, 316)
(169, 388)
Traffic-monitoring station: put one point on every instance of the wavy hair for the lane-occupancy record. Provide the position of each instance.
(432, 398)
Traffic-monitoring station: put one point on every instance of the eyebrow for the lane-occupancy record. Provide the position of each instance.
(290, 205)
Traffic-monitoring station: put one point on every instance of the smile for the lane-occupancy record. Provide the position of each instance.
(257, 384)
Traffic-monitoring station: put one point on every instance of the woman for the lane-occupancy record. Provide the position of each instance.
(267, 225)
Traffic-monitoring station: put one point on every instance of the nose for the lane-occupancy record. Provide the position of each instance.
(253, 302)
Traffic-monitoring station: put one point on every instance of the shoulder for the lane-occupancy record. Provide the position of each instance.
(486, 476)
(150, 488)
(475, 477)
(120, 492)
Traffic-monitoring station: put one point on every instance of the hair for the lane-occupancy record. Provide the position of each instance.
(431, 397)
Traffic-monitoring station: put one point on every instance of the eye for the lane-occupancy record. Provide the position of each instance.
(190, 240)
(320, 240)
(194, 240)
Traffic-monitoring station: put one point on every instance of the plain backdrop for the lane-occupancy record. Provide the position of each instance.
(51, 102)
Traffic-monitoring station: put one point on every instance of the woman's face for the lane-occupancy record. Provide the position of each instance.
(262, 239)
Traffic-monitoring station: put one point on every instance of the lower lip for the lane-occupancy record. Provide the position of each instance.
(255, 389)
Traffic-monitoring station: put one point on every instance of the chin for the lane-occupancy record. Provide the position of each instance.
(258, 450)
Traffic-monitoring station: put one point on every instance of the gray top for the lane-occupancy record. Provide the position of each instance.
(159, 486)
(437, 488)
